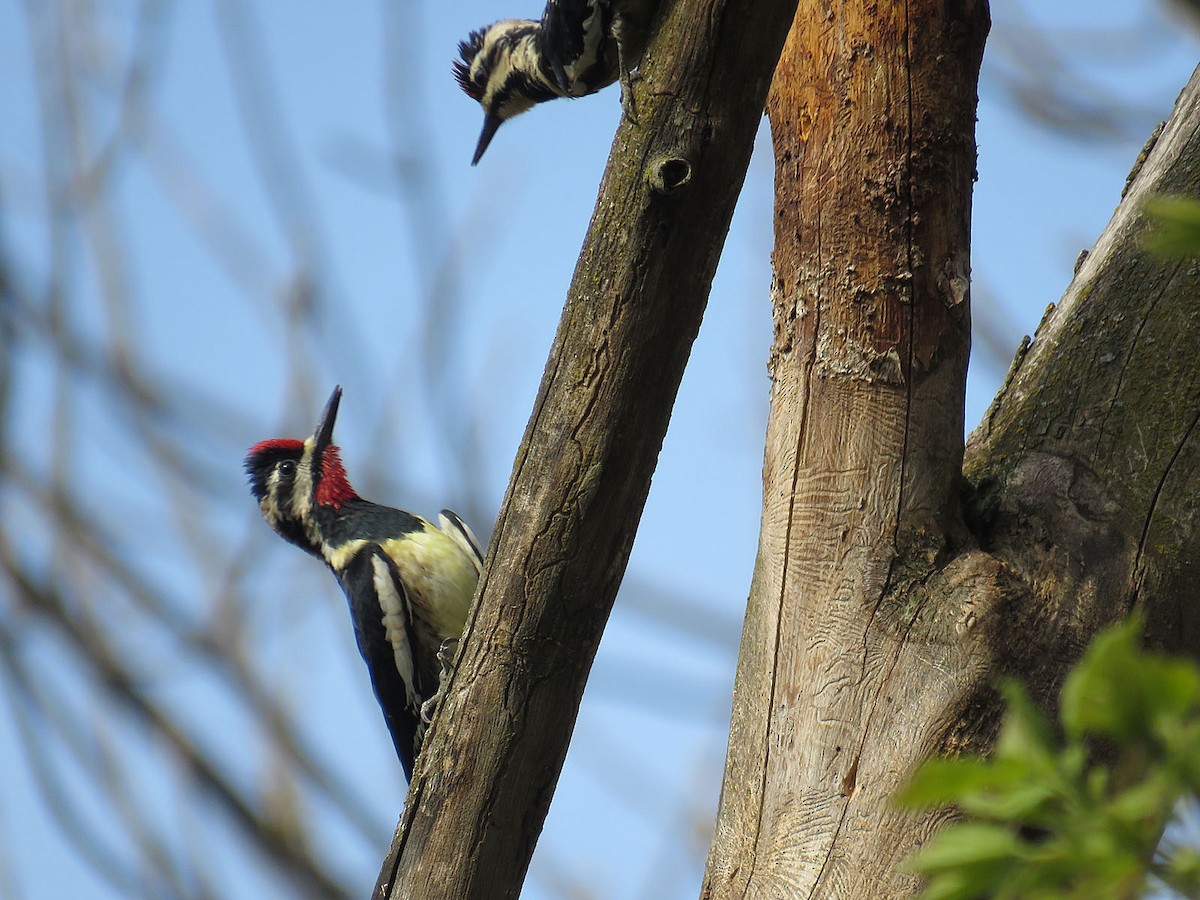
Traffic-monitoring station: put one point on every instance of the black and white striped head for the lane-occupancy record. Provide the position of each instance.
(292, 479)
(502, 68)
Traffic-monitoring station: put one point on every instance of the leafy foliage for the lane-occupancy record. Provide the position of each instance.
(1081, 814)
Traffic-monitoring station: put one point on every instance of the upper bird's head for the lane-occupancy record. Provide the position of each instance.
(501, 68)
(293, 479)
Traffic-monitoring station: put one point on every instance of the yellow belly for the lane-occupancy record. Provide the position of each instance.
(438, 572)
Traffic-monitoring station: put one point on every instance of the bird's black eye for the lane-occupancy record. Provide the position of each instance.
(287, 468)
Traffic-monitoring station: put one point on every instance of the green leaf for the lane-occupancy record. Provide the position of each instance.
(1120, 691)
(1173, 686)
(1182, 872)
(1186, 762)
(1025, 734)
(965, 860)
(1103, 694)
(1029, 802)
(1144, 806)
(967, 844)
(1098, 807)
(940, 781)
(996, 789)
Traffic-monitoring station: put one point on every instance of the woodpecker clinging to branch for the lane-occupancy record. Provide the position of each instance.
(409, 582)
(577, 48)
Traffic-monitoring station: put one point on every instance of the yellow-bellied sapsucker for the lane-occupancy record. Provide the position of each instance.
(409, 582)
(576, 48)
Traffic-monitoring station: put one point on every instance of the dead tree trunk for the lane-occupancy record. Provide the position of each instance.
(889, 590)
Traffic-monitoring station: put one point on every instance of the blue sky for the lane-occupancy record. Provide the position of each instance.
(369, 204)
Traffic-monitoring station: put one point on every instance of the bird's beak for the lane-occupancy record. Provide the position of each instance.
(324, 434)
(491, 122)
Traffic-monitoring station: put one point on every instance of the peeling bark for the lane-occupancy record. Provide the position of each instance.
(895, 581)
(846, 671)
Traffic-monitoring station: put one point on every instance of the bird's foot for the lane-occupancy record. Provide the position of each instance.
(445, 656)
(628, 104)
(429, 707)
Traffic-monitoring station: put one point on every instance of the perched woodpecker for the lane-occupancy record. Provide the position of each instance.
(577, 48)
(409, 582)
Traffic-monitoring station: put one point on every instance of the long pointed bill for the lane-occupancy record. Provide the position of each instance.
(490, 124)
(323, 436)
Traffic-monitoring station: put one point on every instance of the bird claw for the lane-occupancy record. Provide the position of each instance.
(560, 77)
(429, 707)
(445, 657)
(628, 105)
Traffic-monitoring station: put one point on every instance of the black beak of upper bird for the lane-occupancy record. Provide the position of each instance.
(491, 122)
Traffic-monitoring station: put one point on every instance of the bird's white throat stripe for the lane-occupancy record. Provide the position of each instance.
(302, 492)
(271, 506)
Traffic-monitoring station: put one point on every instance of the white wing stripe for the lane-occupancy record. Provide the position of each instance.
(395, 627)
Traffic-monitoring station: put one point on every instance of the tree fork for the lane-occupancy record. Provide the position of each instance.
(861, 658)
(482, 788)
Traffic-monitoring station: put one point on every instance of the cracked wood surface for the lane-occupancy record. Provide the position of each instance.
(482, 787)
(886, 599)
(872, 116)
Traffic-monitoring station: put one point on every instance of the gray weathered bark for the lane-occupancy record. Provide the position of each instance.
(1086, 470)
(481, 789)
